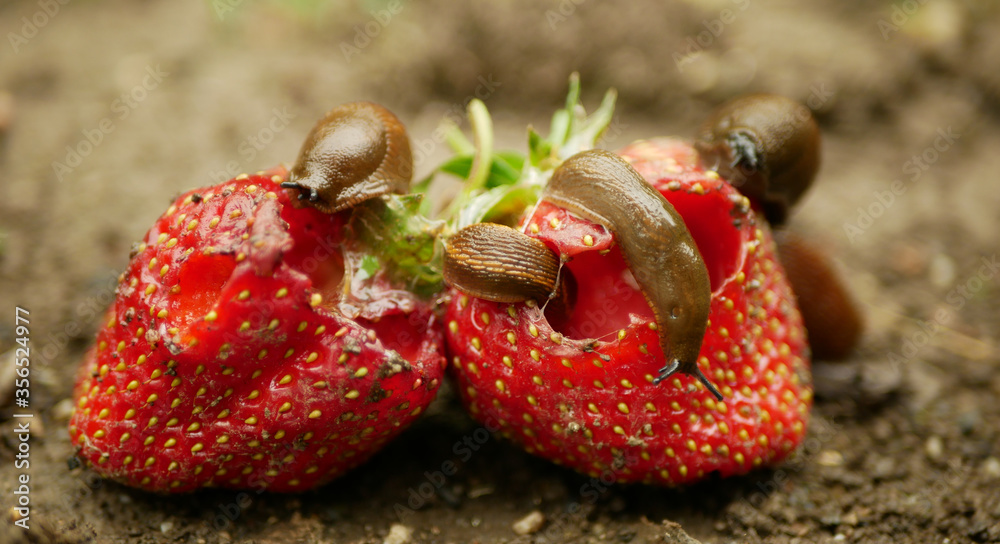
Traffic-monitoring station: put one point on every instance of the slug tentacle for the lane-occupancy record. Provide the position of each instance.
(765, 145)
(356, 152)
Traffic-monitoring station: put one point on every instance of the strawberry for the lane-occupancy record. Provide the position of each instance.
(254, 343)
(576, 385)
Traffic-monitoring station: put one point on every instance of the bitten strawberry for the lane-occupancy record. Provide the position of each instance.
(577, 386)
(256, 343)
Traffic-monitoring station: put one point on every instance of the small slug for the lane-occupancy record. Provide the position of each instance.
(495, 262)
(765, 145)
(828, 311)
(356, 152)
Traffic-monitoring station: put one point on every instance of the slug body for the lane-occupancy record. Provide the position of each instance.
(765, 145)
(356, 152)
(657, 246)
(495, 262)
(828, 310)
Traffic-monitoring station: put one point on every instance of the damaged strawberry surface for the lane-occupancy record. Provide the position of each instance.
(576, 385)
(254, 343)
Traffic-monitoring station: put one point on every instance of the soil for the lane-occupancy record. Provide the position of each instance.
(157, 97)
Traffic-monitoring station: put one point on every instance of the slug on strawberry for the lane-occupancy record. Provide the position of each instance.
(501, 264)
(356, 152)
(661, 255)
(767, 146)
(256, 343)
(583, 384)
(579, 387)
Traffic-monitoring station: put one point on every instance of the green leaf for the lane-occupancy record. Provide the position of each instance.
(504, 170)
(539, 148)
(458, 166)
(499, 205)
(499, 186)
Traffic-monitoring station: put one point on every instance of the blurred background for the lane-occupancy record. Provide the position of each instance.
(110, 108)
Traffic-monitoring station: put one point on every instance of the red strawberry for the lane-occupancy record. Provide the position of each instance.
(578, 388)
(231, 358)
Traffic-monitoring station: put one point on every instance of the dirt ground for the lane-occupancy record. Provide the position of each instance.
(109, 108)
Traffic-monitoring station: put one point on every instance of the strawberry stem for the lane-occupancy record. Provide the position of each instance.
(500, 186)
(402, 241)
(482, 130)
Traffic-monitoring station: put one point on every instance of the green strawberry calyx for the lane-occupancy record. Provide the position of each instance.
(397, 240)
(394, 238)
(499, 186)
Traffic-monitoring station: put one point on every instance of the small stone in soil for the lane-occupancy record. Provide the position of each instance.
(934, 448)
(529, 524)
(991, 467)
(398, 534)
(830, 458)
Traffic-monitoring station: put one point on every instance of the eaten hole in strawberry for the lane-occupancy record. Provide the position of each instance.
(608, 297)
(398, 333)
(709, 219)
(316, 251)
(201, 280)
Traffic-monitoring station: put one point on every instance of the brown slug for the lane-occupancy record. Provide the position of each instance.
(765, 145)
(658, 249)
(356, 152)
(656, 244)
(829, 313)
(495, 262)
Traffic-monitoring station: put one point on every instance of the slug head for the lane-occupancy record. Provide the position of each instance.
(765, 145)
(356, 152)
